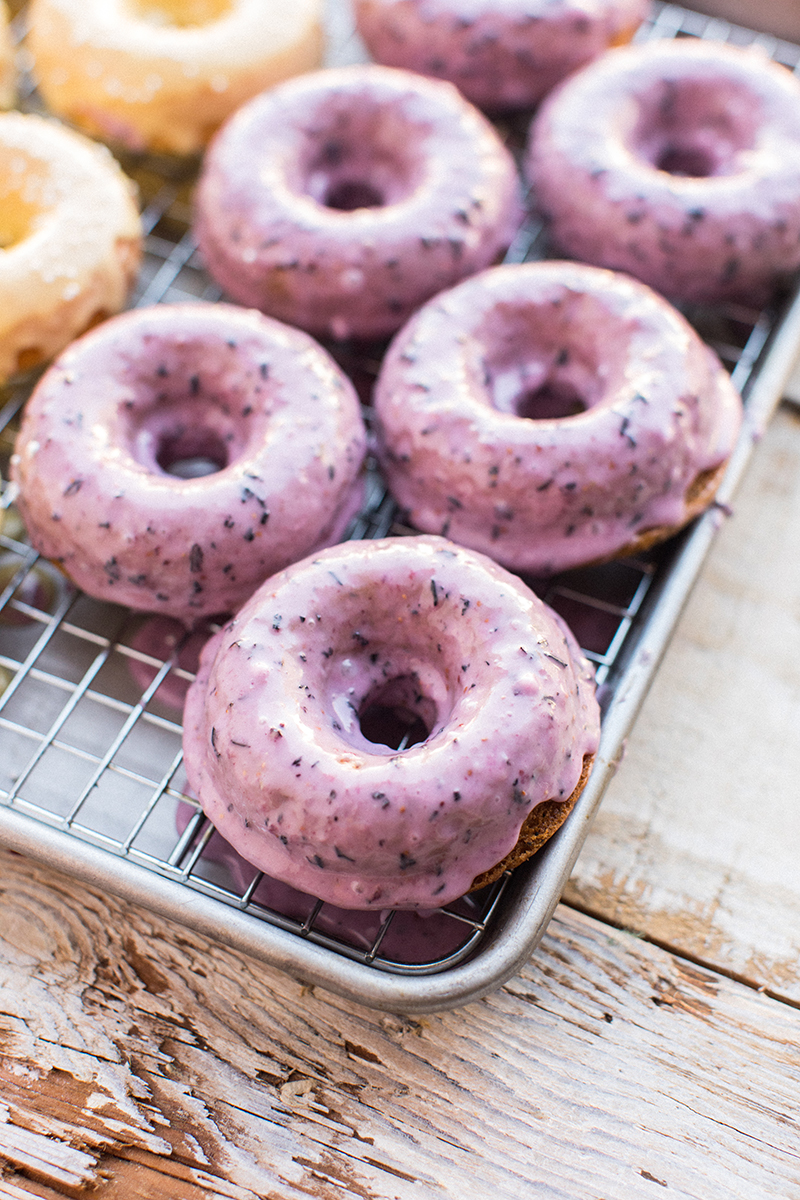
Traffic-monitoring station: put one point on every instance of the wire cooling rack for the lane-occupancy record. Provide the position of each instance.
(91, 776)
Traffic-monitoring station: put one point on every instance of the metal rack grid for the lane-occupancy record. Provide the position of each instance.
(89, 729)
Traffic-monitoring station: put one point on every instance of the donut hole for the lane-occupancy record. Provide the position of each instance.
(551, 401)
(349, 194)
(360, 155)
(692, 161)
(185, 439)
(396, 713)
(18, 217)
(191, 453)
(531, 367)
(696, 128)
(181, 14)
(538, 391)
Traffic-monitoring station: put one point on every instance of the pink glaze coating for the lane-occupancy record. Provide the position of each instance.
(501, 54)
(679, 162)
(471, 403)
(261, 402)
(342, 200)
(273, 739)
(413, 936)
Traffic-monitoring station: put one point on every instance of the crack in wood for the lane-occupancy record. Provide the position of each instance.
(363, 1053)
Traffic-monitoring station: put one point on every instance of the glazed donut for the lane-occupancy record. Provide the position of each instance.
(553, 415)
(70, 239)
(411, 937)
(679, 162)
(501, 54)
(162, 75)
(342, 200)
(291, 728)
(8, 71)
(118, 428)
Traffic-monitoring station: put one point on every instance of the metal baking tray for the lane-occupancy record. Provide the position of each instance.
(91, 780)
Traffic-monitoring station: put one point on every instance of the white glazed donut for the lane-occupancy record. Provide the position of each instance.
(679, 162)
(118, 428)
(342, 200)
(552, 415)
(285, 728)
(70, 238)
(162, 75)
(501, 54)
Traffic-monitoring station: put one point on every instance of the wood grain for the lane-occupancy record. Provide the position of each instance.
(697, 842)
(137, 1059)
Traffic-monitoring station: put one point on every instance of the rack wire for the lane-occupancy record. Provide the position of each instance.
(90, 734)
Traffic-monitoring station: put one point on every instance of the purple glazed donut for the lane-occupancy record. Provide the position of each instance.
(342, 200)
(553, 415)
(501, 54)
(178, 455)
(281, 728)
(678, 162)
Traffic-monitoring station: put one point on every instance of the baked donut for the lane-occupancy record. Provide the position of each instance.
(291, 730)
(178, 455)
(70, 238)
(553, 414)
(679, 162)
(162, 75)
(342, 200)
(501, 54)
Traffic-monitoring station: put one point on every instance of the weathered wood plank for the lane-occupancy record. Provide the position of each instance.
(180, 1069)
(697, 842)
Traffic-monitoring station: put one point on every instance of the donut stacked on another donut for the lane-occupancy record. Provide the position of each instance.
(340, 201)
(162, 75)
(679, 162)
(552, 415)
(501, 54)
(291, 728)
(70, 238)
(118, 428)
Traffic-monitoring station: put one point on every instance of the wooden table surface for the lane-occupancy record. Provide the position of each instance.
(650, 1047)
